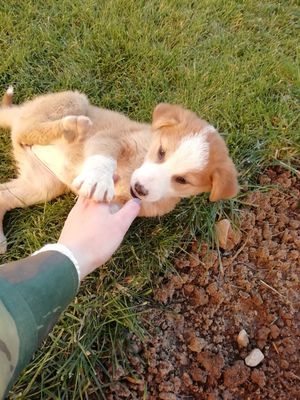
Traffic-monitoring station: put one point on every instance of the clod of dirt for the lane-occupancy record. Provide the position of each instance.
(243, 339)
(212, 363)
(226, 236)
(258, 377)
(236, 375)
(275, 331)
(197, 344)
(254, 358)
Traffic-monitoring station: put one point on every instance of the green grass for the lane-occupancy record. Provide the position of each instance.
(233, 62)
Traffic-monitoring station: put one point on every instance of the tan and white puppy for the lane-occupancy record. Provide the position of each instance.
(186, 157)
(61, 142)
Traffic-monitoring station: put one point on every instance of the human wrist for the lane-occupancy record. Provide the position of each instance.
(83, 255)
(63, 249)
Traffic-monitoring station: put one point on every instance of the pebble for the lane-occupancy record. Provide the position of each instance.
(243, 339)
(254, 358)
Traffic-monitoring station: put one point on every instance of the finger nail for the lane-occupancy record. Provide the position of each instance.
(114, 208)
(136, 200)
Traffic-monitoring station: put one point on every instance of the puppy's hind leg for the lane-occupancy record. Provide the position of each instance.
(8, 115)
(70, 127)
(22, 192)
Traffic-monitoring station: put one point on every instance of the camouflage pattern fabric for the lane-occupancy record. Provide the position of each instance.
(33, 293)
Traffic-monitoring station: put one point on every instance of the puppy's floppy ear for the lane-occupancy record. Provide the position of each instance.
(165, 115)
(224, 182)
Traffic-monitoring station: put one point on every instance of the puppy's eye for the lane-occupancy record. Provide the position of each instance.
(181, 180)
(161, 153)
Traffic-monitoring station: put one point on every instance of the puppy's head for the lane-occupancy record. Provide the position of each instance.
(187, 156)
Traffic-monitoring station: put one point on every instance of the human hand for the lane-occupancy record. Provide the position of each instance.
(92, 233)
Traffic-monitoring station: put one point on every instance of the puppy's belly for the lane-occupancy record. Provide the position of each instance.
(53, 158)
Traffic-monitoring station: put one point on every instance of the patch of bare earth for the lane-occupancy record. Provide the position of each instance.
(192, 351)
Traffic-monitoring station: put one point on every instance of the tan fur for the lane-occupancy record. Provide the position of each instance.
(43, 121)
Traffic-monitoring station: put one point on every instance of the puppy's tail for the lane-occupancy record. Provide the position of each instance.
(7, 110)
(7, 99)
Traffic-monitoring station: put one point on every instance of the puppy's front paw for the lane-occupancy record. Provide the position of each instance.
(95, 186)
(96, 179)
(76, 127)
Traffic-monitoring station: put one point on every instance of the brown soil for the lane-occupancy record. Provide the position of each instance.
(192, 351)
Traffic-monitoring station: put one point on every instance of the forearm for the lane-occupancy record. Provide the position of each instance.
(33, 293)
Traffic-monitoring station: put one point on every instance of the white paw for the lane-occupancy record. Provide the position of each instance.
(76, 126)
(96, 179)
(3, 244)
(95, 186)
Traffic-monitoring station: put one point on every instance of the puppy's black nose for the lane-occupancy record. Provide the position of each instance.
(140, 190)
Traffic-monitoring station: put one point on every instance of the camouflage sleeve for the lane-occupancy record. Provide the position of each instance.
(33, 293)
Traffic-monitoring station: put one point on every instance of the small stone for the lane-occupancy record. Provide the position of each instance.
(254, 358)
(243, 339)
(226, 236)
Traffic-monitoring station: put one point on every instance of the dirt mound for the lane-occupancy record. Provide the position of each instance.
(192, 351)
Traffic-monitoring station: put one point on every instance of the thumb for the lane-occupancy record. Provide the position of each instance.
(128, 213)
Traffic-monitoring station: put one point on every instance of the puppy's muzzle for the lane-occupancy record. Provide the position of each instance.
(138, 190)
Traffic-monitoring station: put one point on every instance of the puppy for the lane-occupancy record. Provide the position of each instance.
(61, 142)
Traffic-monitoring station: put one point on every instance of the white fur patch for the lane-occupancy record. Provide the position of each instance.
(206, 129)
(191, 154)
(10, 90)
(96, 178)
